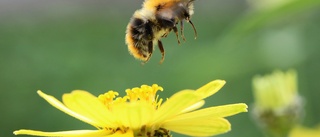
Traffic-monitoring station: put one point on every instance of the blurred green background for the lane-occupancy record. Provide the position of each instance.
(58, 46)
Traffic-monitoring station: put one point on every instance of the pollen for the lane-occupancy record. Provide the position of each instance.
(108, 97)
(145, 92)
(142, 93)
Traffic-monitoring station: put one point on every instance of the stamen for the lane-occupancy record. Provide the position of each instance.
(133, 94)
(108, 97)
(144, 93)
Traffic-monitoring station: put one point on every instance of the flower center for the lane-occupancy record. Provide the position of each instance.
(161, 132)
(144, 93)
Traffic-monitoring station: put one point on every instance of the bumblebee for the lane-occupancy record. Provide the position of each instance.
(155, 20)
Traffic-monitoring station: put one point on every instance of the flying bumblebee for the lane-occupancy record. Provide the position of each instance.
(155, 20)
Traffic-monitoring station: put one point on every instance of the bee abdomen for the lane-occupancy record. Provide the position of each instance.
(139, 38)
(141, 30)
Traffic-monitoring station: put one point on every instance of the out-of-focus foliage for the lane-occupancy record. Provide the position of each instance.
(59, 46)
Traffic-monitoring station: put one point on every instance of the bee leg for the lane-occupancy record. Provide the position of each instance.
(164, 35)
(150, 50)
(181, 31)
(161, 50)
(194, 29)
(176, 32)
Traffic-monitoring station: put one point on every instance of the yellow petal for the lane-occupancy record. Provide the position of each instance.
(207, 126)
(194, 106)
(300, 131)
(88, 105)
(128, 133)
(219, 111)
(210, 88)
(133, 114)
(57, 104)
(175, 105)
(73, 133)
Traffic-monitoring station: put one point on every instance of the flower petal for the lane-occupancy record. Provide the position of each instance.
(219, 111)
(128, 133)
(300, 131)
(133, 114)
(210, 88)
(88, 105)
(202, 126)
(175, 105)
(73, 133)
(57, 104)
(194, 106)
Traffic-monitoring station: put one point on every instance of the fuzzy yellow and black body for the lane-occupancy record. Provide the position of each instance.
(156, 19)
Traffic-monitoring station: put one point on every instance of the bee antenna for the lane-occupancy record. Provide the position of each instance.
(194, 29)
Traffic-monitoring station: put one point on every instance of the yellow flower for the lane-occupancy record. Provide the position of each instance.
(142, 113)
(301, 131)
(277, 107)
(276, 91)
